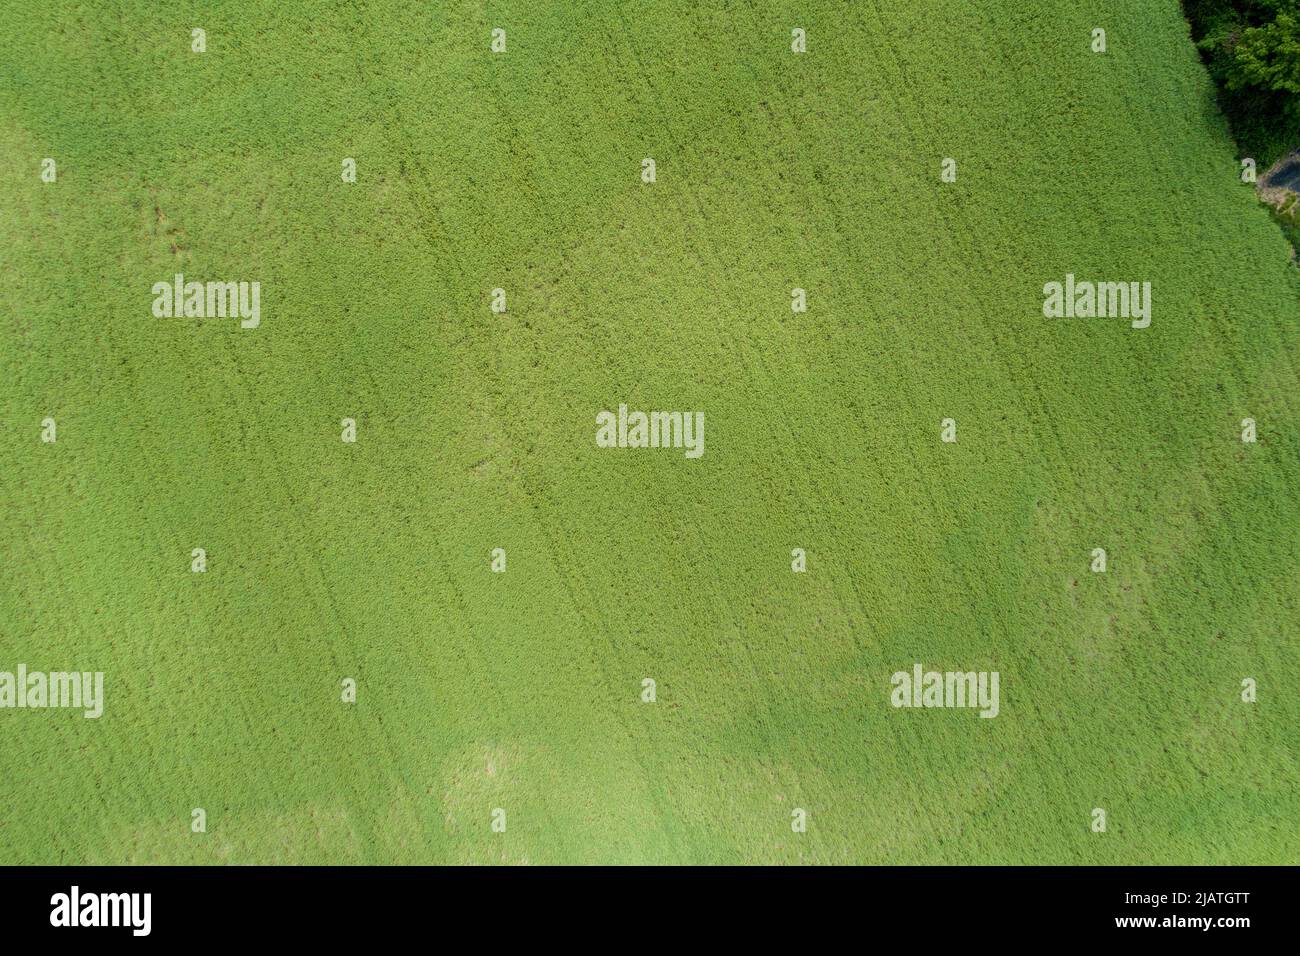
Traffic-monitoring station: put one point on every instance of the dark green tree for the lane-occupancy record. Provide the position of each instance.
(1267, 59)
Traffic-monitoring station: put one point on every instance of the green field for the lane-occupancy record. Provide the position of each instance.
(522, 690)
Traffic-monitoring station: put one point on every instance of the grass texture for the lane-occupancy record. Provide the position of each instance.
(521, 690)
